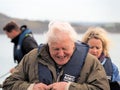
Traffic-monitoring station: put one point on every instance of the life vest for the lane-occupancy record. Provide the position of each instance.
(17, 49)
(107, 64)
(71, 70)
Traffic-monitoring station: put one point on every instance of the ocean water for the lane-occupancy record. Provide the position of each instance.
(6, 52)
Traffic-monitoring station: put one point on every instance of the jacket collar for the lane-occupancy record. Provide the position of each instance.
(43, 52)
(15, 40)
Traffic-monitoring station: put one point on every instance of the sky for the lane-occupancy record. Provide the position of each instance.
(63, 10)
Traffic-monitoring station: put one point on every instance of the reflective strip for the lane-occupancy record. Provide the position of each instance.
(109, 77)
(103, 62)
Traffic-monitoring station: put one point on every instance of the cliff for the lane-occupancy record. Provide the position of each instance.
(42, 26)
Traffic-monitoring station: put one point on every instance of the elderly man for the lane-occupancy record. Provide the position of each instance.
(62, 63)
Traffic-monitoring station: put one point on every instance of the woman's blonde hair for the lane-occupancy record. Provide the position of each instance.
(98, 33)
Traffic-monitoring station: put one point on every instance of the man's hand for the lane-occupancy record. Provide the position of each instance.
(58, 86)
(12, 70)
(40, 86)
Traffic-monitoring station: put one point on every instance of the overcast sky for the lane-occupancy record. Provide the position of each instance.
(65, 10)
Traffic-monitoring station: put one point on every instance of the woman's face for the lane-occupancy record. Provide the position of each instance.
(61, 50)
(96, 47)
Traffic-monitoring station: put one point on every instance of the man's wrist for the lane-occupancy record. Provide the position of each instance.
(68, 85)
(31, 86)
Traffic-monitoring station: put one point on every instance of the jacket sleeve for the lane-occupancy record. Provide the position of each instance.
(92, 77)
(28, 44)
(19, 80)
(116, 75)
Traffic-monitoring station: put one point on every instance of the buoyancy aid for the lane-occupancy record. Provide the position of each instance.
(107, 64)
(71, 70)
(17, 48)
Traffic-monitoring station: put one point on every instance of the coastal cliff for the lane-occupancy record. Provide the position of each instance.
(42, 26)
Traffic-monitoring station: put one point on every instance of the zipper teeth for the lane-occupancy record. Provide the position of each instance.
(60, 74)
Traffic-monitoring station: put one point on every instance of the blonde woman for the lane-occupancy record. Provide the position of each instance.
(97, 39)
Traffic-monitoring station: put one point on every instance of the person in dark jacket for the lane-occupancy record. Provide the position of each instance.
(97, 39)
(22, 38)
(62, 63)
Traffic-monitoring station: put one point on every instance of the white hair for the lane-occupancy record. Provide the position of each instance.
(57, 29)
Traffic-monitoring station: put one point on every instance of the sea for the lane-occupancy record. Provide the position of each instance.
(6, 52)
